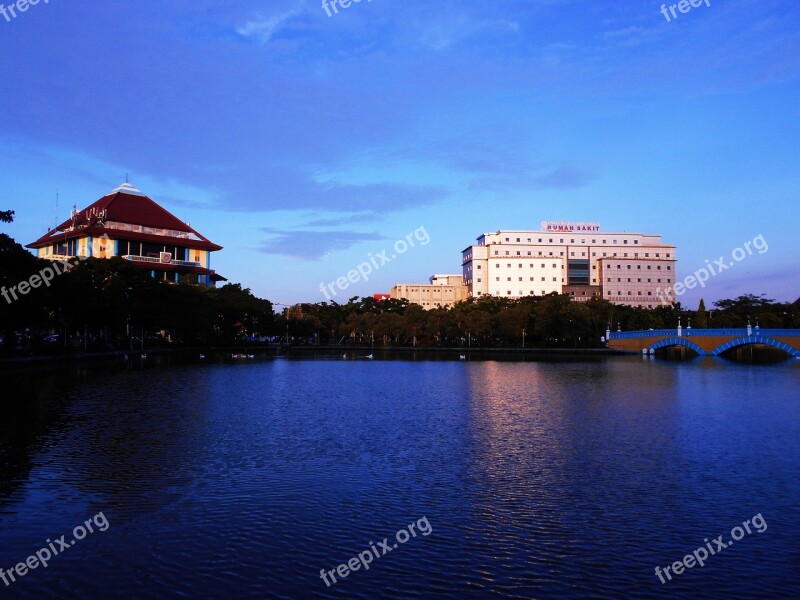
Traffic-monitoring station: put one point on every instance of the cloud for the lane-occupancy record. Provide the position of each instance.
(262, 29)
(565, 178)
(444, 33)
(285, 189)
(337, 221)
(312, 245)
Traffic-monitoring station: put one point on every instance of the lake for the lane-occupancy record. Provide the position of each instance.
(245, 479)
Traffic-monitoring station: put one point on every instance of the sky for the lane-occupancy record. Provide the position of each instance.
(306, 143)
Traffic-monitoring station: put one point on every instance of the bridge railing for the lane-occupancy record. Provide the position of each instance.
(630, 335)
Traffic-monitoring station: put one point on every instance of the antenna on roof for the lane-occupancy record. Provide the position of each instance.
(55, 215)
(126, 178)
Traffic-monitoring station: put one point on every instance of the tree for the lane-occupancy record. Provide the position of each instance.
(700, 319)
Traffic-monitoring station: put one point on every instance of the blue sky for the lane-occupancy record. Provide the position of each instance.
(302, 142)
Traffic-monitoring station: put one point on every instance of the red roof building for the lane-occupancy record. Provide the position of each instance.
(128, 224)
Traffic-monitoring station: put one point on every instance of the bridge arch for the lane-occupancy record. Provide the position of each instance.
(678, 341)
(756, 339)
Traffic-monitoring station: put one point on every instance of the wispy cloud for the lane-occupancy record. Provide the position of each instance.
(566, 178)
(312, 245)
(262, 28)
(338, 221)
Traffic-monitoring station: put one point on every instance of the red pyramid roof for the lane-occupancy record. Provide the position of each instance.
(127, 205)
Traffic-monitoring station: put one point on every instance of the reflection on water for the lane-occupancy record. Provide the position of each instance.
(539, 479)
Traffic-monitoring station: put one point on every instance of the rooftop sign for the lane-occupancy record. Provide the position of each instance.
(569, 226)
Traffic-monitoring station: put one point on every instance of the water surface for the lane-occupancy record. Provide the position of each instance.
(539, 479)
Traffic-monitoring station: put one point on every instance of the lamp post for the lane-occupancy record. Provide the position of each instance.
(523, 337)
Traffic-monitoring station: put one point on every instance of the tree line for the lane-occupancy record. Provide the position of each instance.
(105, 304)
(542, 321)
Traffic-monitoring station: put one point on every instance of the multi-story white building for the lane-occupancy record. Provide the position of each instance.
(571, 258)
(443, 290)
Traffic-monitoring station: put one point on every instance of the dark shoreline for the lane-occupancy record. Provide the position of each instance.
(276, 350)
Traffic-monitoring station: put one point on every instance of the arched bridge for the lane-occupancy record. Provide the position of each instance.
(704, 341)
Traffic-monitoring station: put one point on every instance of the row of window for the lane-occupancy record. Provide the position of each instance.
(532, 278)
(572, 241)
(594, 254)
(639, 280)
(639, 267)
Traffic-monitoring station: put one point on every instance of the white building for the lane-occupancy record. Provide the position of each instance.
(571, 258)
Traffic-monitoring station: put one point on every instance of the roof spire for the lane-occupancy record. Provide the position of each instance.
(127, 188)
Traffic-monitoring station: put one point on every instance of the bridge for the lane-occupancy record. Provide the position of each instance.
(706, 342)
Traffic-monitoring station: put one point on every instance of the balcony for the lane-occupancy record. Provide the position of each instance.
(60, 257)
(157, 261)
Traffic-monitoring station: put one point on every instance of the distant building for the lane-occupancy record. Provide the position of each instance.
(443, 290)
(571, 258)
(128, 224)
(380, 297)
